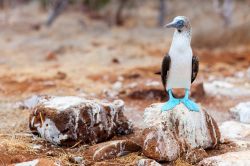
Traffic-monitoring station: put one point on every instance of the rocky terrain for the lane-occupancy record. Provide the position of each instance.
(84, 76)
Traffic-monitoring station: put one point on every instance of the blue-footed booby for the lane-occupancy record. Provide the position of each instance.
(179, 67)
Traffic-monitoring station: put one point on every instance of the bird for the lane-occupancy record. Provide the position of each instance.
(179, 66)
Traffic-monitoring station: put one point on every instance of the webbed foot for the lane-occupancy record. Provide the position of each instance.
(171, 103)
(192, 106)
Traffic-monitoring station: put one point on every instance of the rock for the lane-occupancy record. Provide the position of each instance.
(168, 134)
(225, 88)
(147, 162)
(37, 162)
(37, 147)
(234, 130)
(241, 158)
(196, 155)
(117, 86)
(77, 160)
(153, 83)
(242, 112)
(112, 149)
(73, 120)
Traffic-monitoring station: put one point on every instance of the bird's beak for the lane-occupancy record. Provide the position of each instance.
(170, 25)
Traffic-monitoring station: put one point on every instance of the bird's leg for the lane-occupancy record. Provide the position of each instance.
(171, 103)
(192, 106)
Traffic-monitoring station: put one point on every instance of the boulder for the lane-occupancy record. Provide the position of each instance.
(241, 112)
(234, 130)
(241, 158)
(112, 149)
(147, 162)
(72, 120)
(168, 134)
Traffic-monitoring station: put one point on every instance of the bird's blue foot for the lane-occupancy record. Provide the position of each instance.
(171, 103)
(192, 106)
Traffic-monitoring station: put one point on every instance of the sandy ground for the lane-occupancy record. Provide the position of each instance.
(79, 56)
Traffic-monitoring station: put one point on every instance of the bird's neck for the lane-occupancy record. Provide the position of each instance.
(181, 41)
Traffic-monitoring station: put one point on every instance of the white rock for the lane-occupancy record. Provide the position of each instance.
(242, 112)
(234, 130)
(225, 89)
(241, 158)
(39, 162)
(37, 146)
(78, 160)
(147, 162)
(132, 85)
(172, 132)
(117, 86)
(153, 83)
(28, 163)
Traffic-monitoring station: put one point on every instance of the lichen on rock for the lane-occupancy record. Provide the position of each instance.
(69, 120)
(169, 134)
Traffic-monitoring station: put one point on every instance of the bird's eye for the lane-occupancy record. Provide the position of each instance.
(180, 24)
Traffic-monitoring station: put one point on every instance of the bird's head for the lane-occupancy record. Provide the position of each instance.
(181, 23)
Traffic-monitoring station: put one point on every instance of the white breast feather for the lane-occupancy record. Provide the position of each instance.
(181, 62)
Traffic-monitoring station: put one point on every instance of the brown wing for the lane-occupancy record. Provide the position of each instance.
(165, 69)
(195, 68)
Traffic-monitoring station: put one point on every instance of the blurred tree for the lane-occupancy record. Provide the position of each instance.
(118, 15)
(56, 11)
(95, 4)
(59, 6)
(44, 4)
(162, 12)
(225, 9)
(1, 4)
